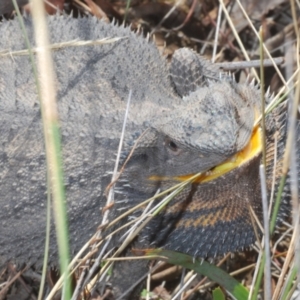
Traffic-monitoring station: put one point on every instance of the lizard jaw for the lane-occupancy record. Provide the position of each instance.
(251, 150)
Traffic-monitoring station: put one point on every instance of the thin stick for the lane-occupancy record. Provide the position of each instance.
(250, 64)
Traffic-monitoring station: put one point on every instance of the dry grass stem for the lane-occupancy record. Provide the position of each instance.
(59, 46)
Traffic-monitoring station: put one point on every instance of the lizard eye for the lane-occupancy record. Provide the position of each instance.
(172, 146)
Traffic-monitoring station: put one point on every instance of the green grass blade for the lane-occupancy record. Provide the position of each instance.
(232, 286)
(218, 294)
(53, 153)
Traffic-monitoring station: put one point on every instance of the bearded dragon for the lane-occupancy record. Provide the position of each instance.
(183, 119)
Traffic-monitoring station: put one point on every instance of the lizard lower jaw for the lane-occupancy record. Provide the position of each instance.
(252, 150)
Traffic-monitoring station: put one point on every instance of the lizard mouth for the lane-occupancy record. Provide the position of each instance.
(250, 151)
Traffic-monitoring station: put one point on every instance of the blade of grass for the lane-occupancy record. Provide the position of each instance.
(48, 214)
(59, 46)
(265, 257)
(233, 287)
(126, 10)
(288, 284)
(267, 264)
(289, 163)
(293, 161)
(52, 139)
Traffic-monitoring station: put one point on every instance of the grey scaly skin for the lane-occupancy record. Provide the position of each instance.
(192, 126)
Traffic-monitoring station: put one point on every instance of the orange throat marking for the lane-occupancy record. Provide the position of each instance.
(251, 150)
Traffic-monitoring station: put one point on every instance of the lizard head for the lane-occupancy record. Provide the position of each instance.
(212, 125)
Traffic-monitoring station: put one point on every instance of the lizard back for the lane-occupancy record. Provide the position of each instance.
(93, 84)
